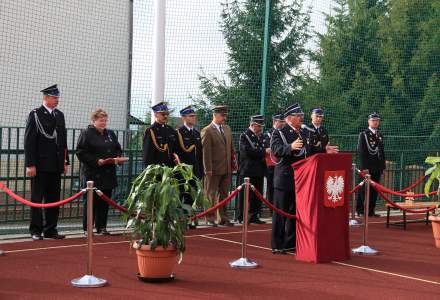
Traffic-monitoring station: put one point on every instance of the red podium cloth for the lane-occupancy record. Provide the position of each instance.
(322, 184)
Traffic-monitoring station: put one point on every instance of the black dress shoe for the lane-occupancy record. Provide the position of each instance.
(278, 251)
(36, 237)
(258, 221)
(290, 250)
(55, 236)
(103, 232)
(374, 215)
(226, 223)
(212, 223)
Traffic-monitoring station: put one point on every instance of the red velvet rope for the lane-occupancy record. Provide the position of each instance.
(218, 205)
(386, 190)
(271, 206)
(394, 204)
(401, 192)
(356, 188)
(418, 181)
(201, 215)
(40, 205)
(110, 201)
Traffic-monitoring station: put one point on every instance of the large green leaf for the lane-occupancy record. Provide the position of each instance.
(435, 175)
(430, 170)
(155, 210)
(432, 160)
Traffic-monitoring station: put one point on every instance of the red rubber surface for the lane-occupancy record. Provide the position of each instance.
(205, 272)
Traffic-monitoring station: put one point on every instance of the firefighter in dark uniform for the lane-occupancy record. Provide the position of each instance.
(277, 123)
(252, 165)
(45, 145)
(289, 144)
(371, 153)
(189, 148)
(320, 139)
(160, 139)
(189, 142)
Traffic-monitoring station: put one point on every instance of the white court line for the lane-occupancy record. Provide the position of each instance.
(212, 237)
(61, 247)
(338, 263)
(121, 242)
(225, 233)
(386, 273)
(234, 242)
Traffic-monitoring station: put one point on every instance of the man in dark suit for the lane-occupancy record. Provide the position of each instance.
(190, 142)
(45, 145)
(371, 153)
(320, 139)
(252, 165)
(189, 148)
(289, 145)
(277, 123)
(160, 139)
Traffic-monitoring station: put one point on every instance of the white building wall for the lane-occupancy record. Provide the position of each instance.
(82, 45)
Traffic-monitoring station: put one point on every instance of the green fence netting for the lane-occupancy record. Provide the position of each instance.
(350, 57)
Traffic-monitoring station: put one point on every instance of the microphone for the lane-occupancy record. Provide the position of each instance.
(304, 126)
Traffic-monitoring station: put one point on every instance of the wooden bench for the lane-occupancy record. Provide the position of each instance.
(410, 205)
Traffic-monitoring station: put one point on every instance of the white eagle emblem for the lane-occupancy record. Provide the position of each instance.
(335, 187)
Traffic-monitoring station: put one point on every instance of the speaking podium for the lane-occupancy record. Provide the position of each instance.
(322, 184)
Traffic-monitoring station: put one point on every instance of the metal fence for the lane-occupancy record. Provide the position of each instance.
(404, 166)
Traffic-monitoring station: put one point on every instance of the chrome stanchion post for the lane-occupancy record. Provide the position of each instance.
(244, 262)
(89, 280)
(365, 249)
(353, 221)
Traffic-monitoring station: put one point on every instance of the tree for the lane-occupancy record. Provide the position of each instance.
(243, 29)
(352, 78)
(411, 35)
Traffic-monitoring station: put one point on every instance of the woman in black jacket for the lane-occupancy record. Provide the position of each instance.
(99, 152)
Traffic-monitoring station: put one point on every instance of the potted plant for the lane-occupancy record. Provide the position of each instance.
(434, 175)
(158, 219)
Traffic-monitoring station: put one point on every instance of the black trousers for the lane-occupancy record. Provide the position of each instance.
(284, 229)
(45, 188)
(100, 210)
(254, 202)
(270, 188)
(186, 197)
(373, 196)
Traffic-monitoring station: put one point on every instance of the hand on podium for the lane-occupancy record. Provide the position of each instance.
(331, 149)
(112, 161)
(120, 160)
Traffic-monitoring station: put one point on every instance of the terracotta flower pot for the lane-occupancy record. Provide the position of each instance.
(435, 221)
(157, 263)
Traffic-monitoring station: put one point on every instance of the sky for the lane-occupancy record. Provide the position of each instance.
(194, 45)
